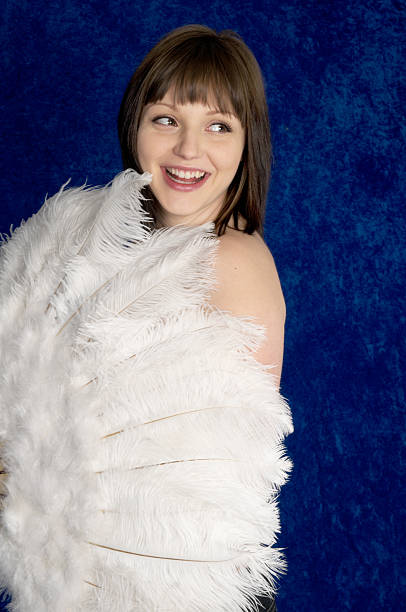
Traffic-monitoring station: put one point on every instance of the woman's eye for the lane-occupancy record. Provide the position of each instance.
(220, 127)
(164, 120)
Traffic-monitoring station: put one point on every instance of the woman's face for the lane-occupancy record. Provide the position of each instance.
(192, 152)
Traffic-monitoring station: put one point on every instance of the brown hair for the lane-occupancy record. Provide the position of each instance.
(202, 65)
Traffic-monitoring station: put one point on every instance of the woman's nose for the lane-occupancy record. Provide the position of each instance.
(188, 144)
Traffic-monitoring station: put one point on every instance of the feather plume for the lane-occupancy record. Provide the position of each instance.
(143, 442)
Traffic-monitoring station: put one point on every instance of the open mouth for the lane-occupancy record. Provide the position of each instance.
(185, 177)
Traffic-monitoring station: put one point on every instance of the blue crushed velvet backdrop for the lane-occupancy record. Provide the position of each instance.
(335, 223)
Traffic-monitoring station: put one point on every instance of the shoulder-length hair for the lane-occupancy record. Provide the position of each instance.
(202, 65)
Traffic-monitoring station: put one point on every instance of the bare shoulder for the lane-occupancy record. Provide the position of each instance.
(248, 285)
(247, 276)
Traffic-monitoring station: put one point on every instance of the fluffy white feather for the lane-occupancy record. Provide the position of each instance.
(142, 439)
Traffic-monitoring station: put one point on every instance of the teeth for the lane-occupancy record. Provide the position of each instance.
(186, 174)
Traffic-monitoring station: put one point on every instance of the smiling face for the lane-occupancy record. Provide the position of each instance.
(193, 152)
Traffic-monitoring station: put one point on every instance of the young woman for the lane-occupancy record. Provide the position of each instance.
(144, 450)
(197, 104)
(195, 116)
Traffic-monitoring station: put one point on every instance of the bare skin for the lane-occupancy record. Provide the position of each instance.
(248, 285)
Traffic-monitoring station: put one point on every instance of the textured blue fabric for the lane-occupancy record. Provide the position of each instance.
(335, 225)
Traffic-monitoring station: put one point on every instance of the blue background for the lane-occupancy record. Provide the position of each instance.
(335, 225)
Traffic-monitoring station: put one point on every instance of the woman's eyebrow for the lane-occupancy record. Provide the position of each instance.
(212, 112)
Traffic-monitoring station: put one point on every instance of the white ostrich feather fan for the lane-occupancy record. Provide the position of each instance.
(142, 441)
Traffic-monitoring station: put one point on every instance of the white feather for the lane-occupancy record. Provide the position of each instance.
(142, 439)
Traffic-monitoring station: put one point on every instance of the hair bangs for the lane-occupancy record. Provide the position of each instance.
(200, 77)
